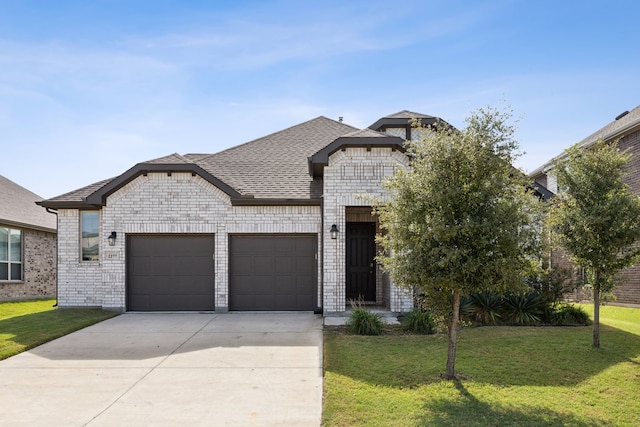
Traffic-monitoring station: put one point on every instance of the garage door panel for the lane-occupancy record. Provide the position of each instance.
(279, 271)
(265, 286)
(195, 267)
(304, 265)
(245, 300)
(264, 245)
(304, 281)
(286, 245)
(285, 301)
(263, 265)
(285, 264)
(305, 300)
(189, 247)
(244, 284)
(170, 272)
(286, 285)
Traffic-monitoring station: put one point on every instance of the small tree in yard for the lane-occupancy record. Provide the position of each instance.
(595, 218)
(460, 220)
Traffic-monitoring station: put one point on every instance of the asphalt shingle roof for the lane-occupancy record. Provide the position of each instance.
(18, 207)
(276, 165)
(406, 114)
(609, 132)
(612, 129)
(79, 194)
(272, 167)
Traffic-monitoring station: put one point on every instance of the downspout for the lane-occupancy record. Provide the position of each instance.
(55, 212)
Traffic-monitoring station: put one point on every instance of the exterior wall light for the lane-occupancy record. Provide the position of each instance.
(334, 232)
(112, 238)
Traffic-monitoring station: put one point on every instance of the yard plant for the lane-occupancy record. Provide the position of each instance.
(508, 376)
(363, 321)
(461, 219)
(596, 217)
(27, 324)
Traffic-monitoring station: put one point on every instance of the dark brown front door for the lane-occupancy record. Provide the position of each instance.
(361, 248)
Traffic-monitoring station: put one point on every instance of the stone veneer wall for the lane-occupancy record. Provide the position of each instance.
(158, 203)
(39, 268)
(351, 176)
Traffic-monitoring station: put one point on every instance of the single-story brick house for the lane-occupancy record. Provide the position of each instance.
(625, 129)
(278, 223)
(27, 245)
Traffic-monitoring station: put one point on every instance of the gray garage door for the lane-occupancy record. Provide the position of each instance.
(275, 273)
(170, 273)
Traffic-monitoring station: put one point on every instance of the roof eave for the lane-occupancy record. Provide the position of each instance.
(99, 197)
(319, 160)
(18, 224)
(68, 204)
(543, 169)
(248, 201)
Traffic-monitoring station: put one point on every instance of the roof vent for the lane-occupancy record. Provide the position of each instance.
(621, 115)
(341, 118)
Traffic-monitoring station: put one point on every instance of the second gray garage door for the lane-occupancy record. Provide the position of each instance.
(273, 272)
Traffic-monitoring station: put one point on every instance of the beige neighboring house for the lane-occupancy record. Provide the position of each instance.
(27, 245)
(625, 129)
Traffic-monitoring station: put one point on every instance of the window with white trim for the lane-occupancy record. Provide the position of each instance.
(10, 254)
(89, 236)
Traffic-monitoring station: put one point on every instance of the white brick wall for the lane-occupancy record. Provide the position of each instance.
(79, 283)
(182, 203)
(353, 176)
(158, 203)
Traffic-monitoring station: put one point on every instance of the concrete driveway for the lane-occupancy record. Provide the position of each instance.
(244, 369)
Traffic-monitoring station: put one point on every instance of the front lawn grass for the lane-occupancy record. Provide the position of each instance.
(27, 324)
(512, 376)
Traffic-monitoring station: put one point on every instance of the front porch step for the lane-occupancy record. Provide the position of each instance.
(340, 319)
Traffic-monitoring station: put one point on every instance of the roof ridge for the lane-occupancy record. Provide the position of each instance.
(610, 129)
(271, 135)
(178, 155)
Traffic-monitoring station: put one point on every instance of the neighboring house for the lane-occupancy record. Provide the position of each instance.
(27, 245)
(626, 130)
(279, 223)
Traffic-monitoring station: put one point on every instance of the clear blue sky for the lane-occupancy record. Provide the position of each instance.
(90, 88)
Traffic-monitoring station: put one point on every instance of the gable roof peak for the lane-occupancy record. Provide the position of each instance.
(170, 159)
(406, 114)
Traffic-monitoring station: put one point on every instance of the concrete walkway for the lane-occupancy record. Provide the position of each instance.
(171, 369)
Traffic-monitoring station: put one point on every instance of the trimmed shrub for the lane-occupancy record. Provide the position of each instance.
(569, 314)
(552, 284)
(419, 322)
(523, 309)
(363, 322)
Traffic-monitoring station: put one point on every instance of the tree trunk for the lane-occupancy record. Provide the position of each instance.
(453, 336)
(596, 310)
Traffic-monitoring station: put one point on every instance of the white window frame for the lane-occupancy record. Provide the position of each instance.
(11, 262)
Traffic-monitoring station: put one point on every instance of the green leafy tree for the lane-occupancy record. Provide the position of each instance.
(595, 217)
(460, 220)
